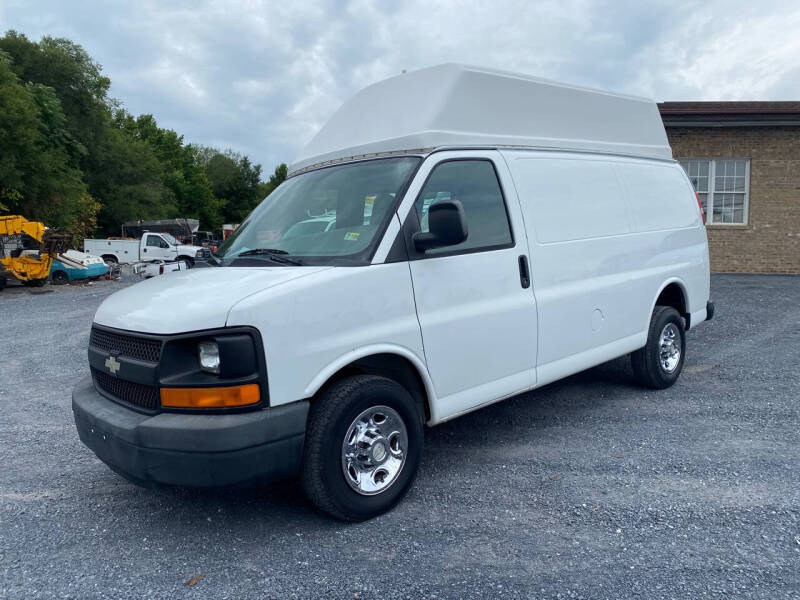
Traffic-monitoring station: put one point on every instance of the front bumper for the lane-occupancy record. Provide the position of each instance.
(191, 449)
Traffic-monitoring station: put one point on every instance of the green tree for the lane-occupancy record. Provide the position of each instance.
(19, 134)
(277, 178)
(38, 165)
(129, 184)
(84, 221)
(183, 172)
(55, 189)
(77, 80)
(71, 156)
(235, 180)
(194, 193)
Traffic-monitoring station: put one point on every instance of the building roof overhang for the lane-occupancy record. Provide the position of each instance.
(730, 114)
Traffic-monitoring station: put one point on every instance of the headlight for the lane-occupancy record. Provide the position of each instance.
(209, 357)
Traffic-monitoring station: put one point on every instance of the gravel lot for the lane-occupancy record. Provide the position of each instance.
(587, 488)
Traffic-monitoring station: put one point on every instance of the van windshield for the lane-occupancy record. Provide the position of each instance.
(335, 215)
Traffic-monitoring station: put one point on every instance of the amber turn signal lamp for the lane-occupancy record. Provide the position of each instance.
(211, 397)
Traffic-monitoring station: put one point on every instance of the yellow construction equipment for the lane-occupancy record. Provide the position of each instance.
(27, 249)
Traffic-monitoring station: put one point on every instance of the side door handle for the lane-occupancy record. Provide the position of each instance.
(524, 274)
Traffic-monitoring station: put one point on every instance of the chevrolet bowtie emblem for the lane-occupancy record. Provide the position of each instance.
(112, 364)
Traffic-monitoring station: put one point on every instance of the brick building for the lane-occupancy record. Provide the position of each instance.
(744, 161)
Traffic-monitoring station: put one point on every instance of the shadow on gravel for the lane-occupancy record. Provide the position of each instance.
(564, 400)
(246, 510)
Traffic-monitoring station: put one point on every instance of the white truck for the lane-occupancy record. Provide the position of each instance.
(150, 248)
(492, 233)
(146, 270)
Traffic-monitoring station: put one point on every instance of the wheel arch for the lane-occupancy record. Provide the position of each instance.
(672, 293)
(187, 259)
(394, 362)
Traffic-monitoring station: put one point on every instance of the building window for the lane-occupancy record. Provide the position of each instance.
(723, 185)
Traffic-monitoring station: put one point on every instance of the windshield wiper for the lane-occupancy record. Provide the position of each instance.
(255, 251)
(274, 254)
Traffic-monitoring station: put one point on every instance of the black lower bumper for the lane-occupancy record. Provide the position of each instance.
(191, 449)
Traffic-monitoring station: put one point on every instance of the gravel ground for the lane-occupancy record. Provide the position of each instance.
(587, 488)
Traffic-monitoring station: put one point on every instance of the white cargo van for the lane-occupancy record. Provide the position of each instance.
(486, 233)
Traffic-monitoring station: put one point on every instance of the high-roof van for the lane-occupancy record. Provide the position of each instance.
(481, 234)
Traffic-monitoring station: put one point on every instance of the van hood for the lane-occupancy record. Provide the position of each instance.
(192, 300)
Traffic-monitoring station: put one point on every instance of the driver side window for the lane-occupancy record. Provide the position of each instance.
(153, 241)
(475, 184)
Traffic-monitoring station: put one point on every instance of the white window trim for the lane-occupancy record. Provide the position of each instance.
(712, 168)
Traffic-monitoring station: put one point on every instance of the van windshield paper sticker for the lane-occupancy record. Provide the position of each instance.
(351, 236)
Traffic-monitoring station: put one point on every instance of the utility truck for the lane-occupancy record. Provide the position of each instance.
(491, 233)
(152, 246)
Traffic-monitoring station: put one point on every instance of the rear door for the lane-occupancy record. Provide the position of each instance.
(475, 305)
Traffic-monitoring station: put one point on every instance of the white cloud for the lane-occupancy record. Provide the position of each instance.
(261, 77)
(743, 54)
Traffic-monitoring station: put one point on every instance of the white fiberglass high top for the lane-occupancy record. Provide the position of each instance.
(457, 105)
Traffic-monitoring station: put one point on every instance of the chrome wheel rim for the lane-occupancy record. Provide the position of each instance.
(669, 347)
(374, 450)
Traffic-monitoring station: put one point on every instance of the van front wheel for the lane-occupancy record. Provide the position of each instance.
(659, 363)
(362, 448)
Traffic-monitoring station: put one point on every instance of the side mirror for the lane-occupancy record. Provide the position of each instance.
(447, 226)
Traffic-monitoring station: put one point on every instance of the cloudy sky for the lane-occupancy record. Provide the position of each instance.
(261, 77)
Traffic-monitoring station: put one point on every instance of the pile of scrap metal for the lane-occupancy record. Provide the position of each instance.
(27, 250)
(146, 270)
(114, 271)
(73, 265)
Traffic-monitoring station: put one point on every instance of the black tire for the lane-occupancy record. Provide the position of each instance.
(59, 277)
(331, 416)
(188, 260)
(3, 282)
(647, 365)
(110, 259)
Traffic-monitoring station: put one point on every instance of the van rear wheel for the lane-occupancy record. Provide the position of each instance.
(660, 362)
(362, 448)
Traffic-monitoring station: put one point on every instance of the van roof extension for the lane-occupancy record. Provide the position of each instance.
(457, 105)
